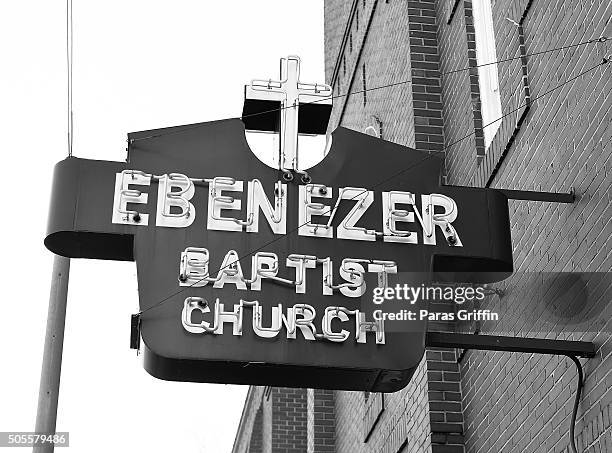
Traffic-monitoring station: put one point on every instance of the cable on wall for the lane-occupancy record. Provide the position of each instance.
(576, 402)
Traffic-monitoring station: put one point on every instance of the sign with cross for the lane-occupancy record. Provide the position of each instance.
(246, 277)
(274, 105)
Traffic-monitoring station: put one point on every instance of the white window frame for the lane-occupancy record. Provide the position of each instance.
(488, 76)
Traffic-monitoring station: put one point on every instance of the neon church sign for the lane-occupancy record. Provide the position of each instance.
(256, 275)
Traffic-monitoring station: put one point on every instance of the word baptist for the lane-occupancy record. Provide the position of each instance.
(194, 271)
(174, 209)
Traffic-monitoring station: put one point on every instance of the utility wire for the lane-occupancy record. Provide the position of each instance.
(69, 65)
(393, 176)
(601, 39)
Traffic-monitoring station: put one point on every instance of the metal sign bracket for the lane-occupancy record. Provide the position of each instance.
(510, 344)
(571, 349)
(554, 197)
(530, 195)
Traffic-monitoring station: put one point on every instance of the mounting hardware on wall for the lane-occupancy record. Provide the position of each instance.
(497, 291)
(571, 349)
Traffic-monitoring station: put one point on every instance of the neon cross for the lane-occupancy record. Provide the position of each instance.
(290, 92)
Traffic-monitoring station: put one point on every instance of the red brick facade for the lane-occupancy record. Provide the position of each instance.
(470, 401)
(287, 420)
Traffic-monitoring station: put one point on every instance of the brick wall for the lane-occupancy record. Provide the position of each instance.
(444, 389)
(403, 422)
(388, 42)
(425, 76)
(289, 419)
(335, 14)
(562, 141)
(375, 27)
(519, 402)
(321, 421)
(286, 420)
(400, 43)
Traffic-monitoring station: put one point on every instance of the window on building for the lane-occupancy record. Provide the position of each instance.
(487, 75)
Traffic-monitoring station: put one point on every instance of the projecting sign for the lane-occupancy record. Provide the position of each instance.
(247, 276)
(194, 201)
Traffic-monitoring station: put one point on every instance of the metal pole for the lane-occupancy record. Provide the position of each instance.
(48, 393)
(510, 344)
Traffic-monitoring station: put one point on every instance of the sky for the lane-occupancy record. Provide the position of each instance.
(137, 65)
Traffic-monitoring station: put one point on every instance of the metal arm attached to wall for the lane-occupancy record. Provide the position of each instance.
(510, 344)
(571, 349)
(530, 195)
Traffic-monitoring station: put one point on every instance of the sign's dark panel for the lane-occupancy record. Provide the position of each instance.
(260, 286)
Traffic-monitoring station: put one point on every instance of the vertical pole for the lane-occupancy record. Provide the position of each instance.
(48, 393)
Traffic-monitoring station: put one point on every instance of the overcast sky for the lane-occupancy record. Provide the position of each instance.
(137, 65)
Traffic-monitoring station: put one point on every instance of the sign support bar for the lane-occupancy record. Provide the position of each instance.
(48, 393)
(530, 195)
(510, 344)
(554, 197)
